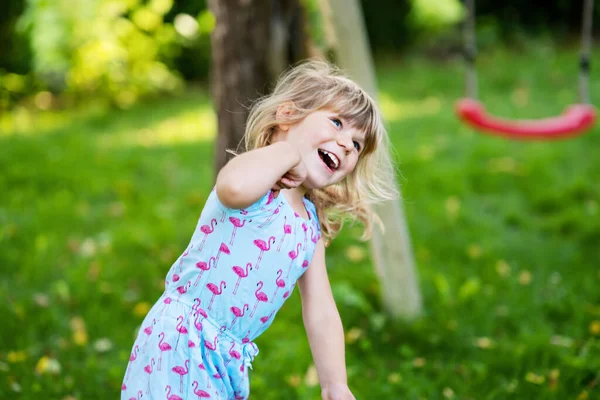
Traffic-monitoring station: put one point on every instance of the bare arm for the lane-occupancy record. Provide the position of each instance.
(324, 328)
(247, 177)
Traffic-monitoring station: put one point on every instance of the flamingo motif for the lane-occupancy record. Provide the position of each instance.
(187, 251)
(241, 274)
(148, 332)
(207, 230)
(176, 278)
(183, 289)
(203, 368)
(204, 267)
(215, 291)
(197, 323)
(238, 313)
(171, 396)
(260, 296)
(263, 247)
(222, 249)
(181, 329)
(275, 212)
(139, 396)
(162, 347)
(181, 371)
(279, 282)
(236, 224)
(199, 392)
(212, 346)
(132, 358)
(166, 302)
(191, 344)
(233, 353)
(287, 229)
(304, 228)
(246, 338)
(293, 255)
(314, 238)
(148, 369)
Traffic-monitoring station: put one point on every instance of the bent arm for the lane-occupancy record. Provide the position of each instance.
(323, 323)
(247, 177)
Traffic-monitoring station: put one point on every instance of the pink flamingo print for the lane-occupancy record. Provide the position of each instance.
(132, 358)
(275, 212)
(199, 392)
(263, 247)
(287, 229)
(197, 323)
(314, 238)
(212, 346)
(185, 253)
(203, 368)
(260, 296)
(286, 294)
(266, 317)
(181, 329)
(279, 282)
(236, 224)
(233, 353)
(181, 371)
(246, 338)
(162, 347)
(176, 278)
(171, 396)
(123, 387)
(207, 230)
(304, 228)
(293, 255)
(191, 344)
(183, 289)
(241, 274)
(215, 291)
(238, 313)
(222, 216)
(305, 264)
(148, 369)
(204, 267)
(148, 332)
(222, 249)
(166, 302)
(139, 396)
(270, 197)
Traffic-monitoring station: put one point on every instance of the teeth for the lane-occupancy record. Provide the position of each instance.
(333, 158)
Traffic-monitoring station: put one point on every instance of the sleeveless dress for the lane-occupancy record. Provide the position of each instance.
(224, 290)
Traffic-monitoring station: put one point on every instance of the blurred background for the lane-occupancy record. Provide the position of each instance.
(110, 138)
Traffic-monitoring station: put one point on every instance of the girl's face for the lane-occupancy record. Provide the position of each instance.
(329, 146)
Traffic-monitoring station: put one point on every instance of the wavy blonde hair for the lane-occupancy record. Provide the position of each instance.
(315, 85)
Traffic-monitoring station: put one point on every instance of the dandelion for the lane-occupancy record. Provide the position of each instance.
(525, 277)
(448, 393)
(141, 309)
(16, 356)
(595, 328)
(47, 365)
(484, 342)
(80, 336)
(353, 335)
(502, 268)
(419, 362)
(394, 378)
(355, 253)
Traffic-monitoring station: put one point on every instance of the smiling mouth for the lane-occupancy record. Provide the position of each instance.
(330, 159)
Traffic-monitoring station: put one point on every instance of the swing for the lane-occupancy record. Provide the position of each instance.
(575, 120)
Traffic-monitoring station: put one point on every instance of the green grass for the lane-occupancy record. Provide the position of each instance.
(96, 205)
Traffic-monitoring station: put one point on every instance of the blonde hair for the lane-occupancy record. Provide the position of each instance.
(314, 85)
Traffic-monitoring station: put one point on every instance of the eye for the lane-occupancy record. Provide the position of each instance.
(337, 122)
(356, 145)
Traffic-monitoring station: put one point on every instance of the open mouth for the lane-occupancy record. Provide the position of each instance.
(330, 159)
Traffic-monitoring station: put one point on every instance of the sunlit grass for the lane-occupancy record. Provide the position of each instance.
(96, 204)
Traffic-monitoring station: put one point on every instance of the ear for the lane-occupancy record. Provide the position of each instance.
(284, 111)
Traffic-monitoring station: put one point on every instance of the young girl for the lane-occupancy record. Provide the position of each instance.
(316, 155)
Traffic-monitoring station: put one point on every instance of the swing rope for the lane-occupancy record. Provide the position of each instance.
(575, 120)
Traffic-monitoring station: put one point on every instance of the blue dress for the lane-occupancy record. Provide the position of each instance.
(220, 294)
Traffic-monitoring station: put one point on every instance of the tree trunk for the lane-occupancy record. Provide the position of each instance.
(240, 70)
(392, 253)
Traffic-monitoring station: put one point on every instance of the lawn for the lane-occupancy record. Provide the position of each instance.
(95, 206)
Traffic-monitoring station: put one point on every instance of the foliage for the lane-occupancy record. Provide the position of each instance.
(96, 206)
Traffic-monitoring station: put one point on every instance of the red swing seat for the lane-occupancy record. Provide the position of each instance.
(574, 120)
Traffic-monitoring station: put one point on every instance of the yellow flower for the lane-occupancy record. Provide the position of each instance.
(502, 268)
(583, 395)
(448, 393)
(47, 365)
(80, 336)
(452, 207)
(595, 328)
(484, 342)
(353, 335)
(394, 378)
(535, 378)
(16, 356)
(474, 251)
(294, 380)
(419, 362)
(355, 253)
(141, 309)
(525, 277)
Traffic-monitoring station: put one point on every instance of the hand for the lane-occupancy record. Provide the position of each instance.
(292, 178)
(337, 392)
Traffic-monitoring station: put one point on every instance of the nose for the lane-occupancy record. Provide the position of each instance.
(345, 141)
